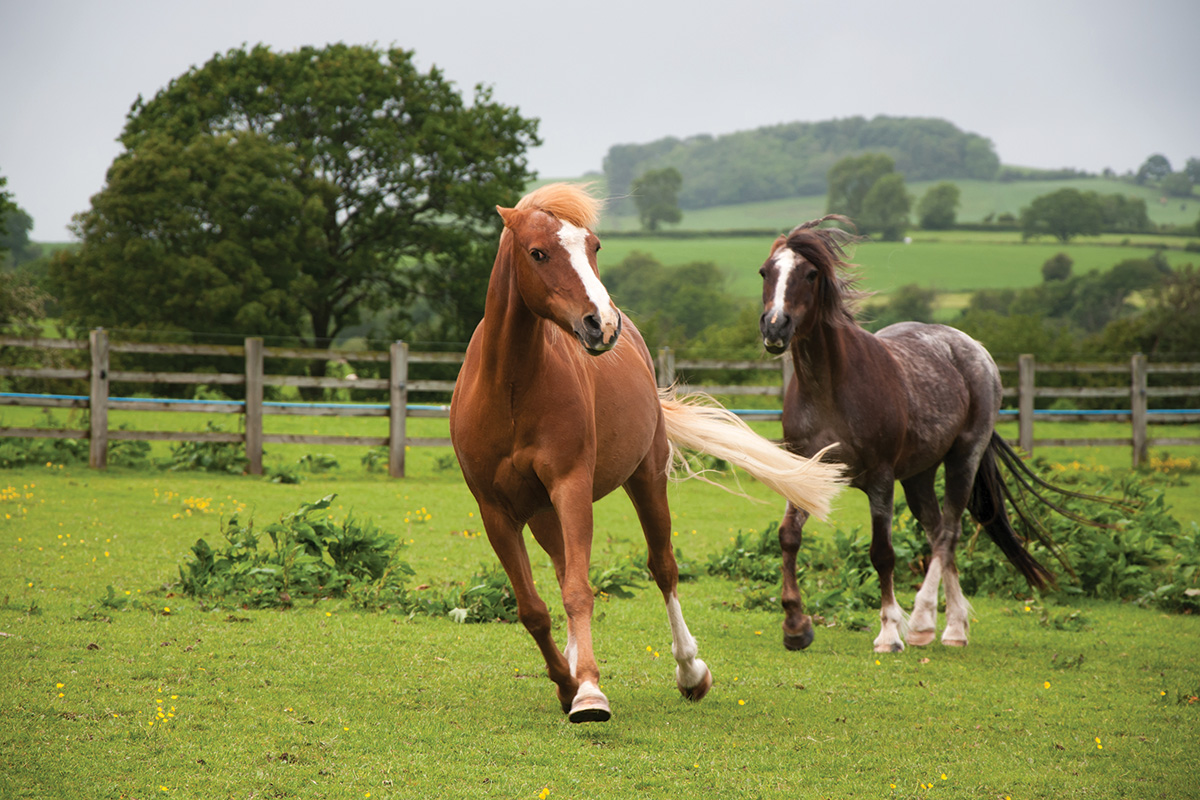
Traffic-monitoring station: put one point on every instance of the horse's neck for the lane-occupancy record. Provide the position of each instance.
(820, 356)
(512, 337)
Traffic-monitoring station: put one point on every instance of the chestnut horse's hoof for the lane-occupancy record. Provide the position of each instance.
(798, 641)
(590, 705)
(697, 692)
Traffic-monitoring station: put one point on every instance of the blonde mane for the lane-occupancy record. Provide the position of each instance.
(568, 202)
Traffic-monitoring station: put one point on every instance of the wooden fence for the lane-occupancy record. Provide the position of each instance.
(399, 388)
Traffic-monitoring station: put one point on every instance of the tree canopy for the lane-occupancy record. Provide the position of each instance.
(793, 159)
(656, 194)
(293, 193)
(1067, 213)
(869, 191)
(938, 209)
(852, 178)
(885, 208)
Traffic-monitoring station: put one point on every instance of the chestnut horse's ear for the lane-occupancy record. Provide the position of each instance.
(509, 214)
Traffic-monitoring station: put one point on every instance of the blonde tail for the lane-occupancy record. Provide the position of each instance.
(808, 483)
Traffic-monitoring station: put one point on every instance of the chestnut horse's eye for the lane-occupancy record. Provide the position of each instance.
(538, 255)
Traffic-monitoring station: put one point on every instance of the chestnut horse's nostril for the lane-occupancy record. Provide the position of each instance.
(591, 324)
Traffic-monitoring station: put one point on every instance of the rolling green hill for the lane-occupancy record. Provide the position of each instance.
(978, 199)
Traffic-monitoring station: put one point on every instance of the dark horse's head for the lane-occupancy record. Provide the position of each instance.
(554, 258)
(804, 283)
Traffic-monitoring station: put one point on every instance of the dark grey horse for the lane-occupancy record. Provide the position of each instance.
(897, 404)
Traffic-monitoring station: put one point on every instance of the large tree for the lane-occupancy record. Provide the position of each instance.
(656, 194)
(1063, 214)
(1154, 169)
(293, 192)
(852, 178)
(938, 208)
(885, 208)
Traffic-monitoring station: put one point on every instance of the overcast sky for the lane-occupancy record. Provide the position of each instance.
(1090, 84)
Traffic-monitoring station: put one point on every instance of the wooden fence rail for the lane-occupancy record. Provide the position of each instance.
(398, 358)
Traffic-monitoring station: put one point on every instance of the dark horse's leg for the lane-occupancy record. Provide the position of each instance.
(943, 529)
(883, 557)
(922, 501)
(797, 626)
(647, 489)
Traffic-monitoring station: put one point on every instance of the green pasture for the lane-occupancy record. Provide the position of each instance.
(955, 262)
(166, 699)
(977, 200)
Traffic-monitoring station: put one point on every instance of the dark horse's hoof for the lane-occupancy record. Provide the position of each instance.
(798, 641)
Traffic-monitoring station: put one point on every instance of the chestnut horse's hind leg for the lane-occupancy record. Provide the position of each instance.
(648, 492)
(507, 540)
(797, 626)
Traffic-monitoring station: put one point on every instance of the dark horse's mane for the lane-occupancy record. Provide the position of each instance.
(824, 248)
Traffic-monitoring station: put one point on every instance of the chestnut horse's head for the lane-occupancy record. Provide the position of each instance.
(804, 284)
(553, 253)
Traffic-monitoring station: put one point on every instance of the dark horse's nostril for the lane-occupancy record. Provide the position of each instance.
(777, 320)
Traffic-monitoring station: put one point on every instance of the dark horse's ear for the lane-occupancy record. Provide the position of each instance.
(779, 242)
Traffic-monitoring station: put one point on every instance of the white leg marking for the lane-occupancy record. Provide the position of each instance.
(958, 611)
(690, 671)
(571, 651)
(893, 624)
(924, 616)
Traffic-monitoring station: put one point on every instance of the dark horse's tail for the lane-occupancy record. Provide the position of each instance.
(987, 505)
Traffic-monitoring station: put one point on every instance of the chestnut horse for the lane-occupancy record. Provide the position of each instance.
(556, 406)
(900, 403)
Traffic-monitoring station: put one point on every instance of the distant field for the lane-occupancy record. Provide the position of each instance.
(948, 262)
(978, 199)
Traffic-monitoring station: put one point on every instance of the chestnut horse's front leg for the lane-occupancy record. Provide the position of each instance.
(509, 543)
(572, 500)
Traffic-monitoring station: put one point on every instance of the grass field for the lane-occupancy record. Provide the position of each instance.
(166, 699)
(978, 199)
(947, 262)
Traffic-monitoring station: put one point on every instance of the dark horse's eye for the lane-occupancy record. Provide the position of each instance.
(538, 255)
(763, 270)
(811, 277)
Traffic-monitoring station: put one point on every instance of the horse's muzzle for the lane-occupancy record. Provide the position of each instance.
(596, 337)
(776, 332)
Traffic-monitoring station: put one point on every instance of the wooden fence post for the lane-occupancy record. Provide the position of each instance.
(397, 408)
(1138, 408)
(254, 405)
(666, 367)
(98, 400)
(1025, 383)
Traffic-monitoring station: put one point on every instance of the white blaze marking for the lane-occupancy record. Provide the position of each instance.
(574, 241)
(785, 264)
